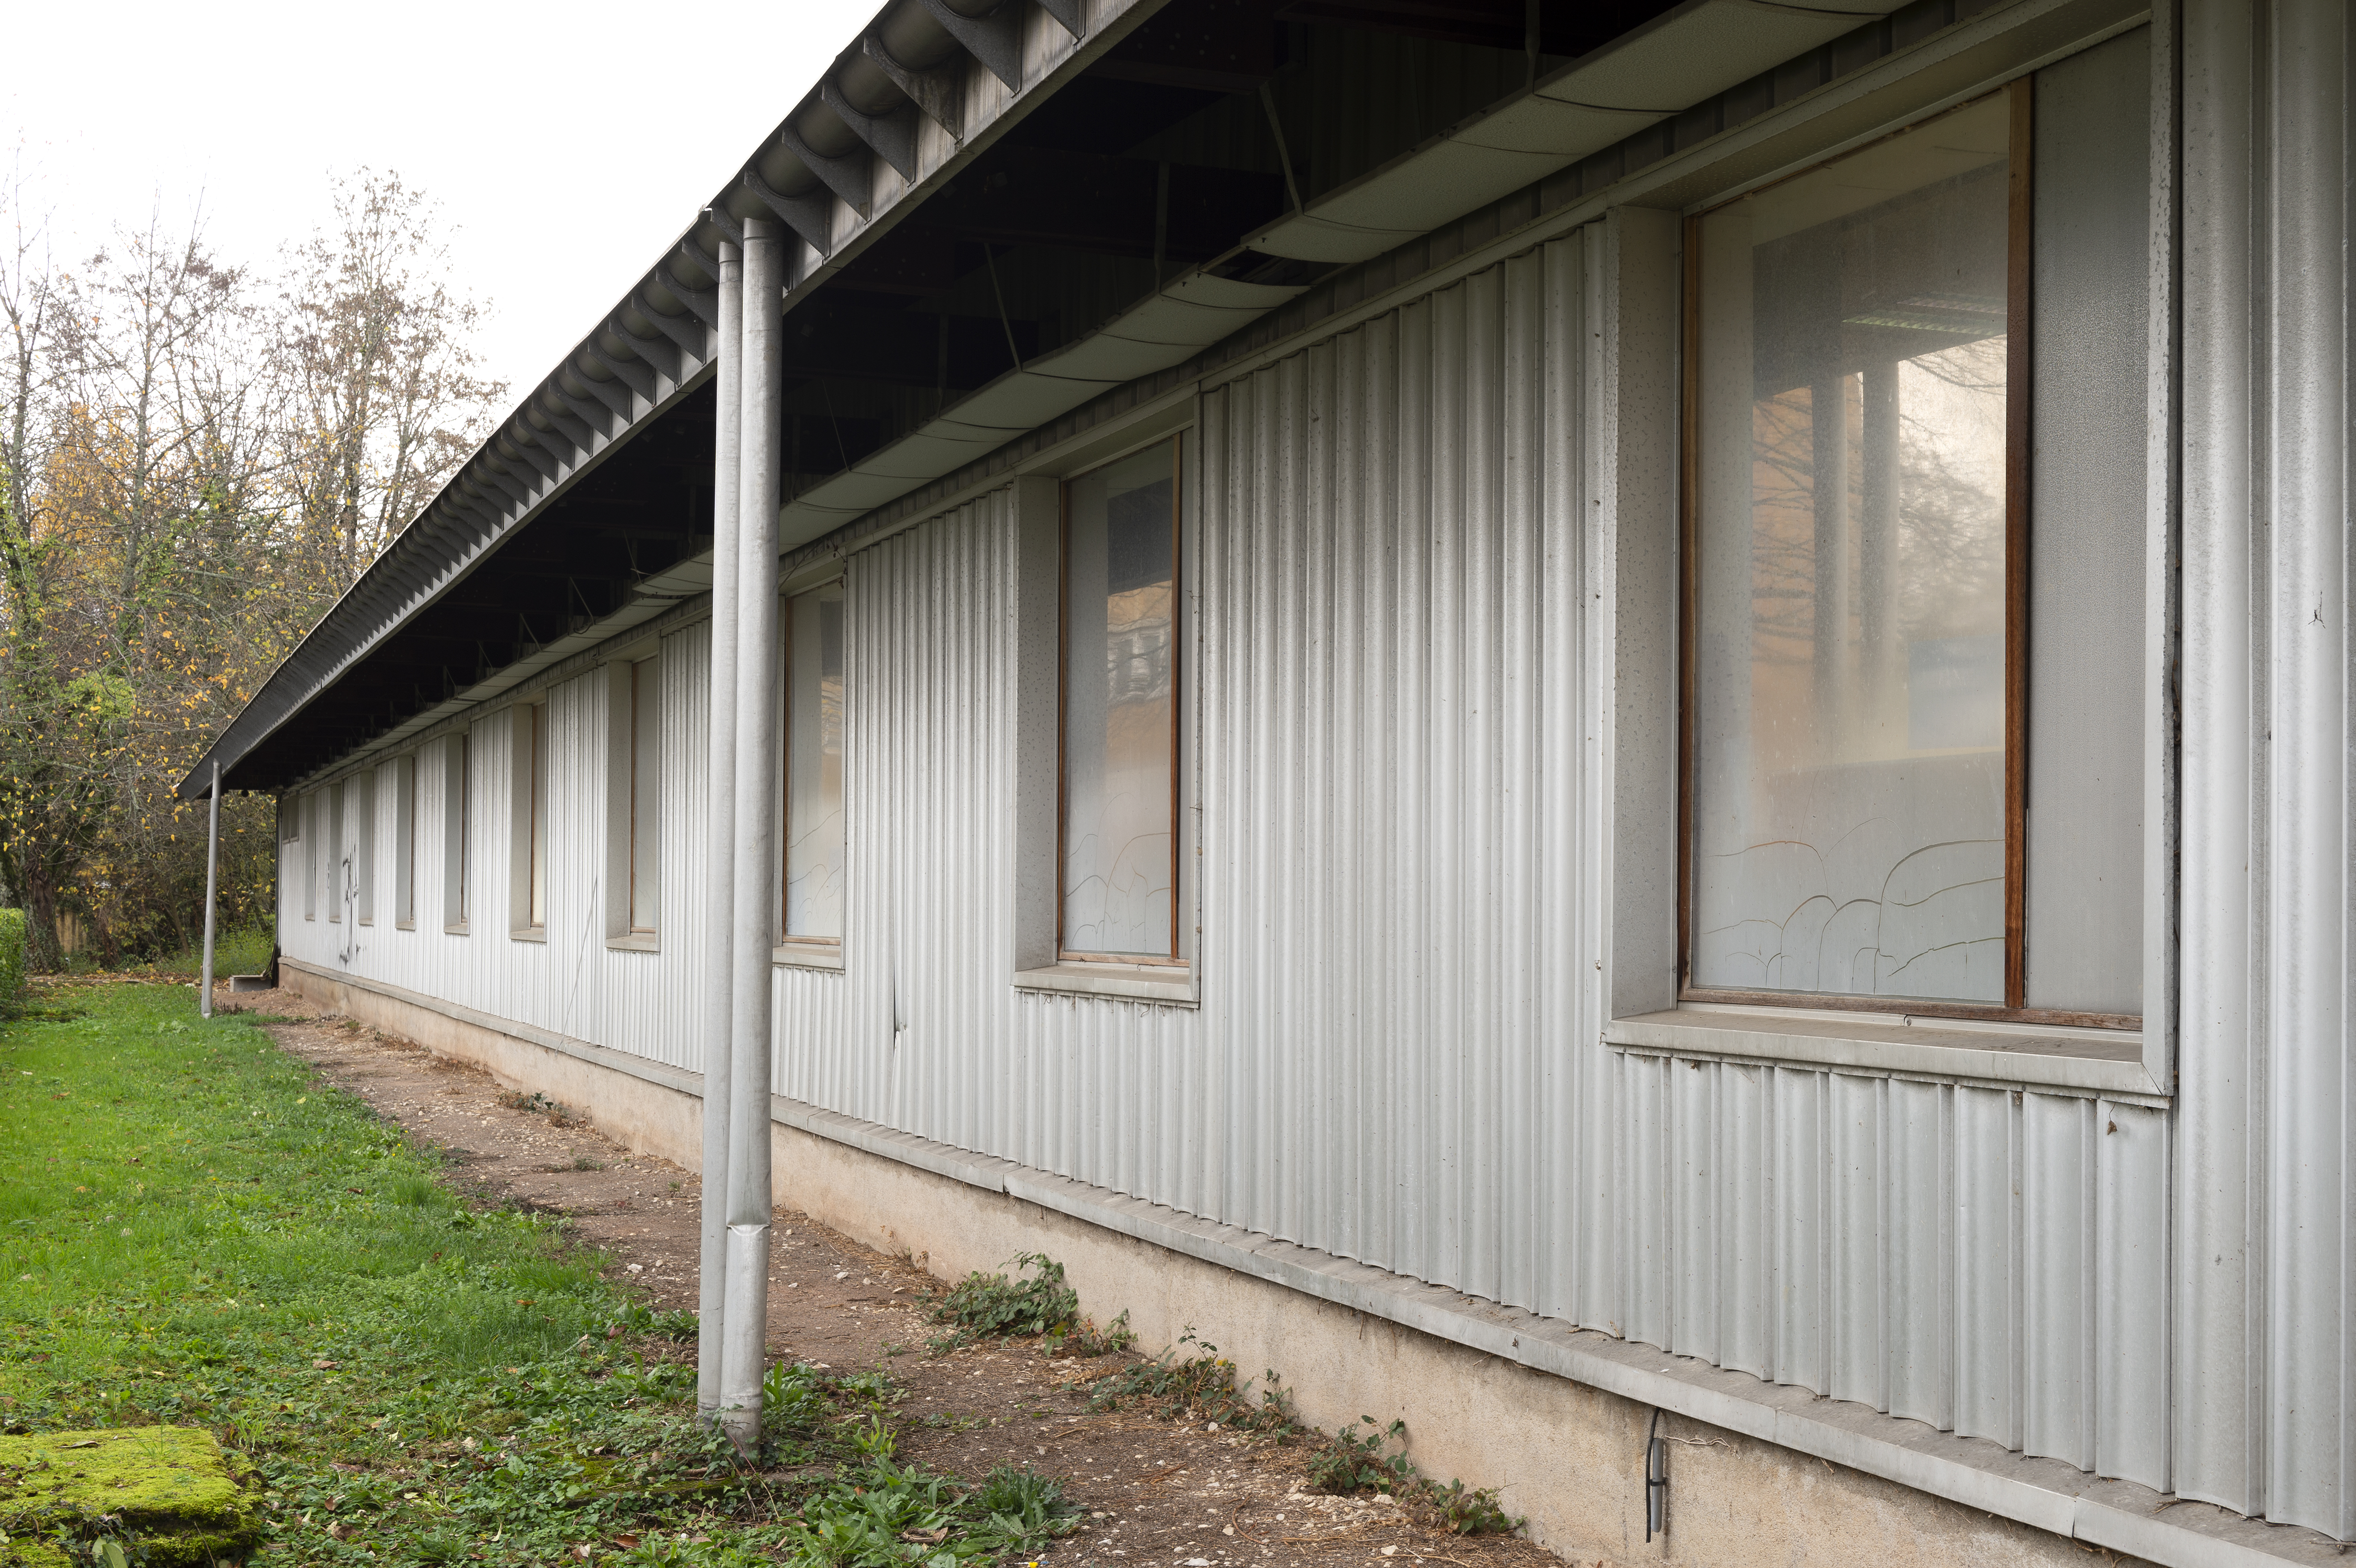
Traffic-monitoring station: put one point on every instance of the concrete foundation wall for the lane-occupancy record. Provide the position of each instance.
(1568, 1457)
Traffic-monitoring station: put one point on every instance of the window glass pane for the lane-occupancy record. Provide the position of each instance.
(336, 852)
(1119, 689)
(539, 712)
(1849, 640)
(814, 764)
(645, 754)
(364, 847)
(2090, 241)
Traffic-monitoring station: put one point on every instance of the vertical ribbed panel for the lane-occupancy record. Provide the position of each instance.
(644, 1002)
(2265, 1367)
(1399, 699)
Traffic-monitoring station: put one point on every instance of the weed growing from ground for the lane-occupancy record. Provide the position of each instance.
(539, 1105)
(1348, 1462)
(992, 1307)
(1201, 1387)
(1087, 1341)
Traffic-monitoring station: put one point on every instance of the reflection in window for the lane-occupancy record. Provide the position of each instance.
(645, 765)
(1850, 627)
(1120, 677)
(814, 765)
(537, 776)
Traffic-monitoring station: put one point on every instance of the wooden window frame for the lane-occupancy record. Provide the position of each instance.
(1177, 441)
(2019, 431)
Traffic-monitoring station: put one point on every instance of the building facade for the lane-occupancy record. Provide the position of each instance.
(1673, 734)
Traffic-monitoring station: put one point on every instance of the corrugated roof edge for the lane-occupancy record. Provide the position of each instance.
(592, 401)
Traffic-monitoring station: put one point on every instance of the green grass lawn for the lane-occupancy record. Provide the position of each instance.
(193, 1230)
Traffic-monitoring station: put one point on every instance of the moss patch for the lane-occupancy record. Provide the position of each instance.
(170, 1490)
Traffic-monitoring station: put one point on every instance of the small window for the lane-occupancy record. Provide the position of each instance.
(1118, 884)
(454, 813)
(813, 766)
(633, 800)
(308, 836)
(529, 854)
(405, 841)
(364, 847)
(338, 871)
(1868, 593)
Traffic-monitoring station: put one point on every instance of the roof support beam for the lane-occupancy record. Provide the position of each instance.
(996, 40)
(810, 214)
(939, 92)
(635, 374)
(848, 176)
(891, 137)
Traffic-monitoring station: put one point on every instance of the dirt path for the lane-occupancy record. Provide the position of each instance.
(1160, 1491)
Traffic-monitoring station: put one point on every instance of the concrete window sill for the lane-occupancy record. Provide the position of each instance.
(1166, 982)
(2108, 1062)
(528, 933)
(825, 956)
(404, 925)
(459, 929)
(636, 942)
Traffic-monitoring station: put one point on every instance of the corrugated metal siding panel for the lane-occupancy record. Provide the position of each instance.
(2265, 1366)
(645, 1002)
(1399, 698)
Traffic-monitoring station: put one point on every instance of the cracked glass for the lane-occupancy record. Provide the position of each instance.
(1120, 678)
(1849, 808)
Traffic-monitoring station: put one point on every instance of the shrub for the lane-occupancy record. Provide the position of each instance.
(12, 953)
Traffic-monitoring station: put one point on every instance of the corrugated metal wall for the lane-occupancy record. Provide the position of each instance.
(644, 1002)
(1401, 682)
(2265, 1370)
(1397, 700)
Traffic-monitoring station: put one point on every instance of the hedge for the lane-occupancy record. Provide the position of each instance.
(12, 951)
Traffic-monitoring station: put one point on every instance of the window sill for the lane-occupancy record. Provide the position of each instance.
(528, 933)
(825, 956)
(1136, 982)
(459, 929)
(636, 942)
(404, 925)
(2104, 1060)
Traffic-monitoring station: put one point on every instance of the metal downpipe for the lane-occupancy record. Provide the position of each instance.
(720, 827)
(212, 882)
(753, 936)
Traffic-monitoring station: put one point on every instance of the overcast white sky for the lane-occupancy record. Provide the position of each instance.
(567, 144)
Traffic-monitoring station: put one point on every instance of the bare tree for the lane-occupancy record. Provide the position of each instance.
(373, 342)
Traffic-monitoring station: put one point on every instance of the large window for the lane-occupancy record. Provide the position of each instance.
(528, 849)
(813, 766)
(1118, 886)
(404, 840)
(363, 793)
(1902, 546)
(646, 771)
(633, 803)
(454, 812)
(338, 875)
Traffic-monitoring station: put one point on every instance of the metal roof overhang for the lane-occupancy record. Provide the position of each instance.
(480, 557)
